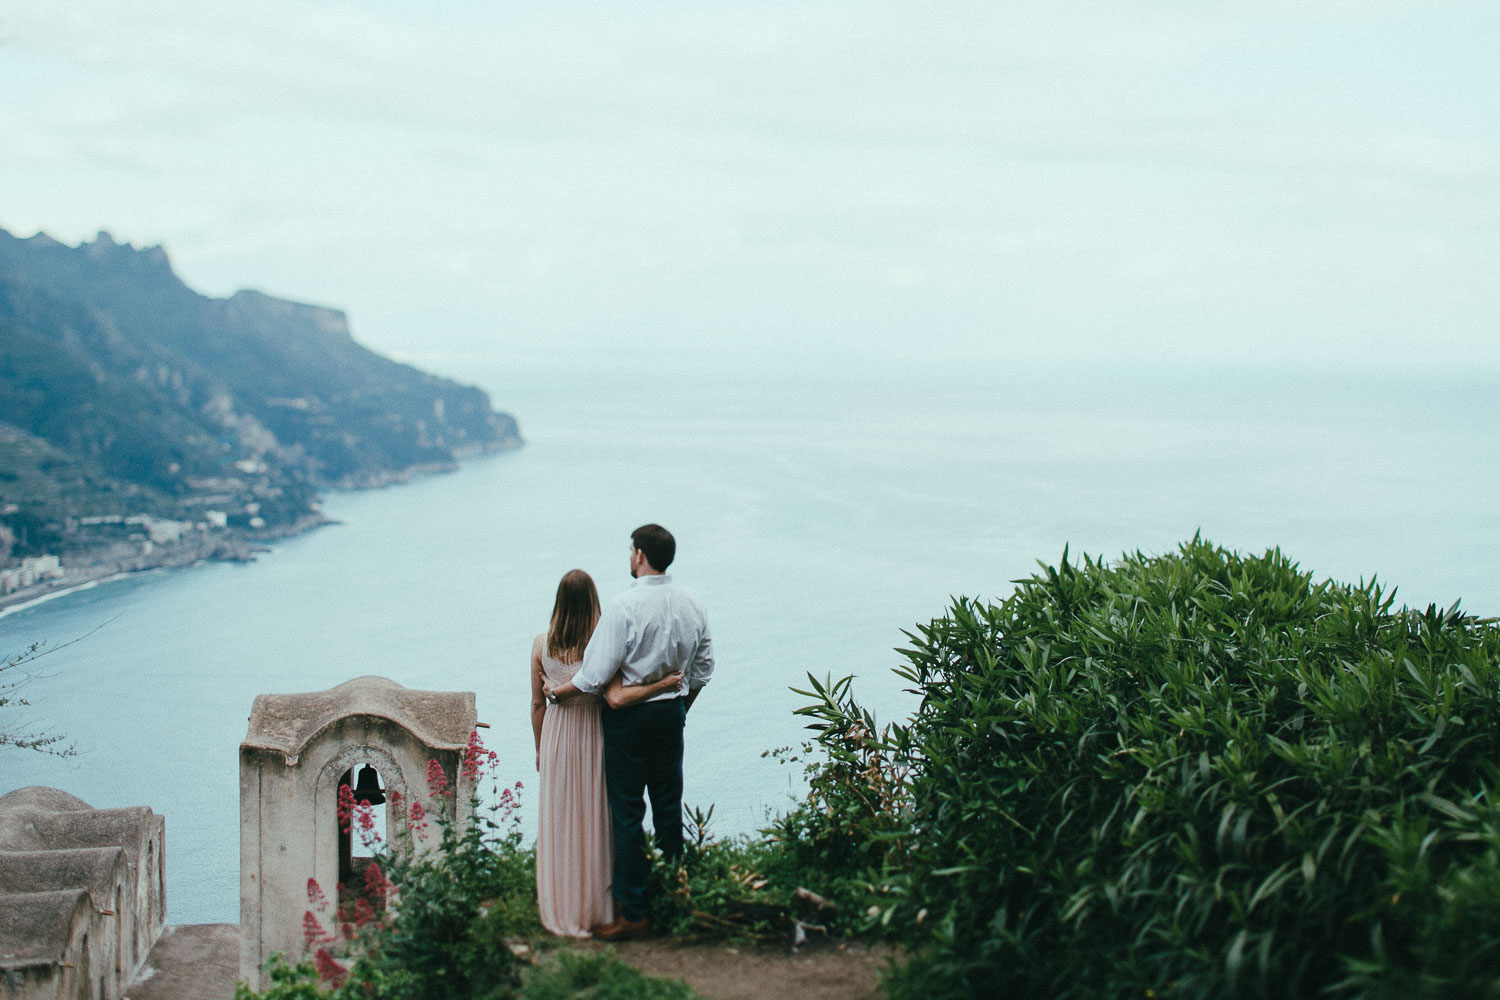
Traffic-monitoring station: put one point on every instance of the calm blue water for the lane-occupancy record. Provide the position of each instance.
(819, 513)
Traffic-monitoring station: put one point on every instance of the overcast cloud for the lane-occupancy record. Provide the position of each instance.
(1147, 179)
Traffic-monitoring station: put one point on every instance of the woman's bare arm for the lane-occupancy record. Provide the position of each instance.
(563, 691)
(619, 694)
(538, 700)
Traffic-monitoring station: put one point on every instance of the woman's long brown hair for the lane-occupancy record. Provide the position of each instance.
(574, 615)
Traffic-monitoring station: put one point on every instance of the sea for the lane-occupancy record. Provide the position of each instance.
(822, 506)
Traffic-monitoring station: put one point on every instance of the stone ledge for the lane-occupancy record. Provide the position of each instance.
(192, 962)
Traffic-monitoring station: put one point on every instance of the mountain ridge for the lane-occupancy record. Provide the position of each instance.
(249, 405)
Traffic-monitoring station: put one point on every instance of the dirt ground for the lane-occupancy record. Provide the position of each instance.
(201, 962)
(720, 972)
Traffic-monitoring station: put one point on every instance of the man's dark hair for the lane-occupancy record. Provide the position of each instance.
(656, 544)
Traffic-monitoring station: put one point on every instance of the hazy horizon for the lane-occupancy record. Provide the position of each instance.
(1286, 184)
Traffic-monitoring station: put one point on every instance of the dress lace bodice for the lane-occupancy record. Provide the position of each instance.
(556, 671)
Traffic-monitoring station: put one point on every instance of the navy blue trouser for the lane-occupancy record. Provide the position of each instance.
(642, 755)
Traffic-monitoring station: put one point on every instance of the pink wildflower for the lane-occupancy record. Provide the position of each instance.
(328, 970)
(346, 807)
(363, 912)
(364, 818)
(418, 818)
(476, 757)
(437, 780)
(315, 895)
(313, 932)
(377, 886)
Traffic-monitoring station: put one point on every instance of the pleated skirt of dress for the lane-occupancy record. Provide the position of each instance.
(573, 843)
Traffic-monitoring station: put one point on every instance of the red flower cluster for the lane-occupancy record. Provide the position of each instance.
(348, 921)
(315, 895)
(363, 912)
(437, 780)
(418, 818)
(377, 886)
(476, 757)
(329, 971)
(364, 818)
(313, 934)
(510, 801)
(346, 807)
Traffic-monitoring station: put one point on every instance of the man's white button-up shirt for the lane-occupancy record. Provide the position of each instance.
(654, 628)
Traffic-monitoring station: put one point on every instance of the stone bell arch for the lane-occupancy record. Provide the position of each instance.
(299, 749)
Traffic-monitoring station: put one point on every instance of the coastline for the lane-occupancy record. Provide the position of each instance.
(226, 545)
(217, 546)
(28, 598)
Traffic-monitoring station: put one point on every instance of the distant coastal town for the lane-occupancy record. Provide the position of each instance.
(123, 544)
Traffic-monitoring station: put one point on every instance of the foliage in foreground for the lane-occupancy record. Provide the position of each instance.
(18, 667)
(568, 975)
(573, 975)
(1194, 775)
(433, 924)
(447, 918)
(816, 872)
(752, 889)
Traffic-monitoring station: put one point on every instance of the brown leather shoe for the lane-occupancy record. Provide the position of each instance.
(621, 929)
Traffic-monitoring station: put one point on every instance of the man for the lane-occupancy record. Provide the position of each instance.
(654, 629)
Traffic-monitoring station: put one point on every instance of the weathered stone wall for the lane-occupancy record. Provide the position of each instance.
(82, 898)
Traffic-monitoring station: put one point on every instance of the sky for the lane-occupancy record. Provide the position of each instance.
(1295, 181)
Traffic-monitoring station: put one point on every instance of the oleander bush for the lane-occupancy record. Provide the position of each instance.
(1198, 774)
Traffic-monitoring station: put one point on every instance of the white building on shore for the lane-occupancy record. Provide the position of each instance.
(33, 570)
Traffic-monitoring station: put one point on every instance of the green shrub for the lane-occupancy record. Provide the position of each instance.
(745, 888)
(854, 818)
(566, 975)
(582, 975)
(1197, 775)
(458, 909)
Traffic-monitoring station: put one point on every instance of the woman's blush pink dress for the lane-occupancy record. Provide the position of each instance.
(573, 845)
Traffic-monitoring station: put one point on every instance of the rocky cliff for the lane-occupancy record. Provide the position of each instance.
(167, 402)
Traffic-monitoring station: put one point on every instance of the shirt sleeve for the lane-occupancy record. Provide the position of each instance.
(702, 667)
(604, 654)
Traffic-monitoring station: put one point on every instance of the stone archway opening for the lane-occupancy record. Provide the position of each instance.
(357, 847)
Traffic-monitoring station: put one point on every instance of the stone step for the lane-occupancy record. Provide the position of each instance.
(190, 962)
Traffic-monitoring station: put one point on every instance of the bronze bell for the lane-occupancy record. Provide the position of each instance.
(367, 788)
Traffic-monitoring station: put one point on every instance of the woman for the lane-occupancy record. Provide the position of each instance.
(572, 849)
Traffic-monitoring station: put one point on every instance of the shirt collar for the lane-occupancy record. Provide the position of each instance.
(654, 580)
